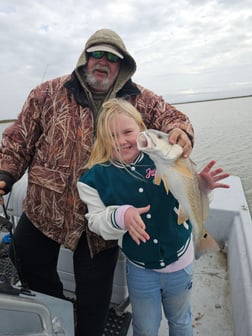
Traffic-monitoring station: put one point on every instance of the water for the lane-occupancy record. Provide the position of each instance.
(223, 131)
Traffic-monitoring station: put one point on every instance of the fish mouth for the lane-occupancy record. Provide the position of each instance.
(153, 141)
(144, 141)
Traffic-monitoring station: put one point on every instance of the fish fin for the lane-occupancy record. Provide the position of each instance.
(181, 167)
(166, 185)
(206, 244)
(182, 217)
(157, 179)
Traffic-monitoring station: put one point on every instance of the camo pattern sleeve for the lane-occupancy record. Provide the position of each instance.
(160, 115)
(52, 137)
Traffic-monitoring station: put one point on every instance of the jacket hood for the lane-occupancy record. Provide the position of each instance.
(107, 36)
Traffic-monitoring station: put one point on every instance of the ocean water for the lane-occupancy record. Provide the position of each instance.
(223, 131)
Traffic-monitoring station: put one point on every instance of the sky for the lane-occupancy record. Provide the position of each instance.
(185, 49)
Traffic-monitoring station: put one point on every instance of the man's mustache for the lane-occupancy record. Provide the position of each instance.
(101, 68)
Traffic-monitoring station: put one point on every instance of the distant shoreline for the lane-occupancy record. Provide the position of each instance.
(6, 121)
(210, 99)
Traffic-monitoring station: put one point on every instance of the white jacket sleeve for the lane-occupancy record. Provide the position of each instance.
(101, 219)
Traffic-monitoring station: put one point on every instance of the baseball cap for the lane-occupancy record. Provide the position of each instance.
(105, 47)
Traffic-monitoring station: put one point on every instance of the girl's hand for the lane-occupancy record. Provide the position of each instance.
(135, 225)
(209, 178)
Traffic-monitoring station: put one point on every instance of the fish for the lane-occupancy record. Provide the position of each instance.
(180, 177)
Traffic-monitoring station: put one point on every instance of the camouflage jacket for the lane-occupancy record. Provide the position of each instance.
(52, 138)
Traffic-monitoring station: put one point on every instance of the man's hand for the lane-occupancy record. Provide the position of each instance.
(178, 136)
(2, 192)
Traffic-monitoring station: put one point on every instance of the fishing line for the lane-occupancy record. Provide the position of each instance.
(5, 212)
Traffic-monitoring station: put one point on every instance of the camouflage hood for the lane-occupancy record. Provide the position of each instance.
(127, 66)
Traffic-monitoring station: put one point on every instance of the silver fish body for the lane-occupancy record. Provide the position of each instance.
(180, 177)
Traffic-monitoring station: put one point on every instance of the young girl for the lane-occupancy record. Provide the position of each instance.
(124, 203)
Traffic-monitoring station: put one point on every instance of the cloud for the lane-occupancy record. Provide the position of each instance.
(183, 48)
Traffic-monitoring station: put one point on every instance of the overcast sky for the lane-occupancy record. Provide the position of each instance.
(184, 49)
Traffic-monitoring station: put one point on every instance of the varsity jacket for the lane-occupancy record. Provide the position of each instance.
(107, 186)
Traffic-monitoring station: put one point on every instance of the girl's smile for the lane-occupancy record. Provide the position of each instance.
(124, 130)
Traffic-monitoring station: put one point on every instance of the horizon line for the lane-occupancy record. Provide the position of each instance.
(6, 121)
(211, 99)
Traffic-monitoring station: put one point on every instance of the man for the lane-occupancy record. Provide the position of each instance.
(52, 138)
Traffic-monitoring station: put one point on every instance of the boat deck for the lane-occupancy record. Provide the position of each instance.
(211, 301)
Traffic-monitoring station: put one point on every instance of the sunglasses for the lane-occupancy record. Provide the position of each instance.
(109, 56)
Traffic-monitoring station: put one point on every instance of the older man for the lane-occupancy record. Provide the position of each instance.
(52, 138)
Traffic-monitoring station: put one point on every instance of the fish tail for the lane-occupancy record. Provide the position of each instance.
(206, 244)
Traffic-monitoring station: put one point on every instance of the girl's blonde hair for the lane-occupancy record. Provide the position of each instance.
(103, 145)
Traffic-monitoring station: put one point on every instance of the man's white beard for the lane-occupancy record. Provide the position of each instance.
(103, 85)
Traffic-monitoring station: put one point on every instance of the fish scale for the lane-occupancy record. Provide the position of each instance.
(180, 177)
